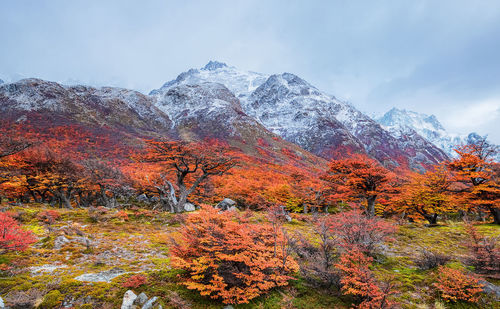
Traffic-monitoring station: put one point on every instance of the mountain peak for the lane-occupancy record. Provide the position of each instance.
(214, 65)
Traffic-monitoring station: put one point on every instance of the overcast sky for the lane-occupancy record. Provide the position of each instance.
(436, 57)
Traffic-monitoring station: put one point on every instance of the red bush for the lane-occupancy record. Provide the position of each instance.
(485, 252)
(226, 257)
(454, 285)
(354, 229)
(358, 280)
(49, 216)
(12, 236)
(135, 281)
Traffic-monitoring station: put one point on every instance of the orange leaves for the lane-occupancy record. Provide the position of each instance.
(228, 258)
(479, 175)
(12, 236)
(358, 280)
(358, 177)
(425, 195)
(454, 285)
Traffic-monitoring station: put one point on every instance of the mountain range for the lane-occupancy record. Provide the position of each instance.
(260, 114)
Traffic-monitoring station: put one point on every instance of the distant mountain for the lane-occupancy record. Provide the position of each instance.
(273, 115)
(300, 113)
(189, 112)
(399, 122)
(124, 109)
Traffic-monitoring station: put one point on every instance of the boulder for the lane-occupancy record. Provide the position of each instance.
(104, 276)
(128, 300)
(189, 207)
(60, 241)
(143, 198)
(2, 305)
(141, 299)
(490, 288)
(226, 204)
(149, 304)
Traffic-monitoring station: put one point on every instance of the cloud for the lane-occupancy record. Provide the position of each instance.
(424, 55)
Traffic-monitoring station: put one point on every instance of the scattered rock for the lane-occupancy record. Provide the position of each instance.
(128, 300)
(189, 207)
(149, 304)
(142, 298)
(226, 204)
(143, 198)
(490, 288)
(48, 268)
(288, 218)
(104, 276)
(84, 241)
(60, 241)
(228, 307)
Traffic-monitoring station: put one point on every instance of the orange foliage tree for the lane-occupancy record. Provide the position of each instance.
(425, 195)
(228, 258)
(258, 185)
(358, 177)
(189, 164)
(480, 174)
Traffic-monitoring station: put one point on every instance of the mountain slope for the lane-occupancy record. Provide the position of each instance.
(300, 113)
(191, 112)
(127, 110)
(399, 121)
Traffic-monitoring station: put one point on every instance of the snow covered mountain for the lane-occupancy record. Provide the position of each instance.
(400, 121)
(300, 113)
(125, 109)
(241, 83)
(262, 114)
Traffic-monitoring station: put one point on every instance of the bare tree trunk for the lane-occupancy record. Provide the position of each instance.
(371, 205)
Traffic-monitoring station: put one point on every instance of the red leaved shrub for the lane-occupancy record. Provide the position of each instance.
(485, 252)
(226, 257)
(358, 280)
(48, 216)
(12, 236)
(354, 229)
(454, 285)
(135, 281)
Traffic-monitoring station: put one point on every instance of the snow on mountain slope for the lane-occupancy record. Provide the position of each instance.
(108, 106)
(399, 121)
(241, 83)
(300, 113)
(296, 110)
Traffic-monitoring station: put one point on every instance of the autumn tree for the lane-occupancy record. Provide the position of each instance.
(103, 180)
(479, 174)
(425, 195)
(358, 177)
(226, 257)
(189, 164)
